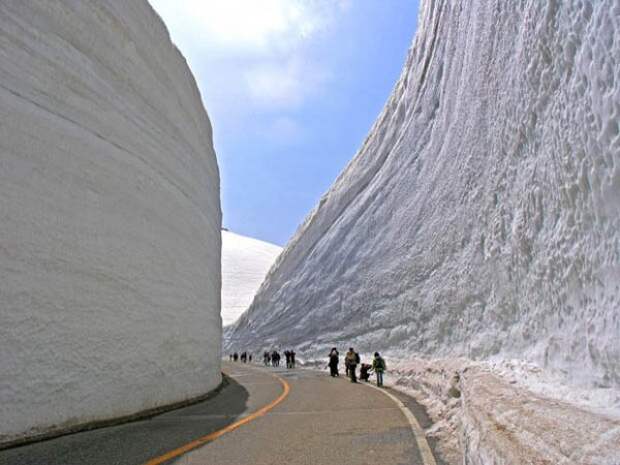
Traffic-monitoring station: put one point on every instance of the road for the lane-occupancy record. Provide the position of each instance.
(262, 417)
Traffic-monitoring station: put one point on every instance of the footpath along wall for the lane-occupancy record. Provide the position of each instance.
(110, 218)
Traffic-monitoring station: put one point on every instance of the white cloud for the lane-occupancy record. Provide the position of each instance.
(252, 53)
(284, 84)
(256, 26)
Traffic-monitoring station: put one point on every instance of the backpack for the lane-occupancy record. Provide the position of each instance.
(357, 357)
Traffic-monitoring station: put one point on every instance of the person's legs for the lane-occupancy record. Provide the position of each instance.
(379, 378)
(352, 371)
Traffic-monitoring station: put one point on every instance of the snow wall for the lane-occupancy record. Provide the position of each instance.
(245, 262)
(109, 199)
(480, 218)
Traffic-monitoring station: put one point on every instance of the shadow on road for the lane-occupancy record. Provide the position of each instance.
(137, 442)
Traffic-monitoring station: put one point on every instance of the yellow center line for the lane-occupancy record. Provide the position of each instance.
(213, 436)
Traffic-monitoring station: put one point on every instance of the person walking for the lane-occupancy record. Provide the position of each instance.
(292, 359)
(266, 358)
(333, 362)
(351, 360)
(378, 366)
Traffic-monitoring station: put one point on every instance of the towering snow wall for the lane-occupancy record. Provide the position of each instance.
(481, 216)
(110, 218)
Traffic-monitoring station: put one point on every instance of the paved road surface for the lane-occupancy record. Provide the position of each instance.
(321, 421)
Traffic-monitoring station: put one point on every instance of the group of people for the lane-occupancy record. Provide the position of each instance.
(244, 357)
(273, 358)
(351, 361)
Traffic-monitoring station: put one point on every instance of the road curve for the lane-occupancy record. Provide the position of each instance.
(322, 421)
(253, 420)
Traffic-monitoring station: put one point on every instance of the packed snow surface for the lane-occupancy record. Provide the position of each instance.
(486, 417)
(480, 218)
(109, 199)
(245, 262)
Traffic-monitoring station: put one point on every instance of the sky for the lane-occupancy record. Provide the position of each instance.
(292, 88)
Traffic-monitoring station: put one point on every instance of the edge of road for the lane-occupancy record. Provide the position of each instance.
(426, 452)
(105, 423)
(175, 453)
(428, 458)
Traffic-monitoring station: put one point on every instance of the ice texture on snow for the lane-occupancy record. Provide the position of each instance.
(110, 230)
(496, 418)
(245, 262)
(480, 217)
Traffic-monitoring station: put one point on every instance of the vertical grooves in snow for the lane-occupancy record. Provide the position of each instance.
(480, 216)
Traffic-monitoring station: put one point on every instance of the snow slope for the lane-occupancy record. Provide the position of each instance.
(109, 199)
(245, 262)
(480, 217)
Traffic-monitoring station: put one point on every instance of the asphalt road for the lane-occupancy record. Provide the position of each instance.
(321, 421)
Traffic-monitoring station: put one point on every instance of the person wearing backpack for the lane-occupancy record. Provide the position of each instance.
(351, 360)
(378, 366)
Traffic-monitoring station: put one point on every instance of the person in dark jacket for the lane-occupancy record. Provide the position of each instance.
(333, 362)
(378, 365)
(365, 372)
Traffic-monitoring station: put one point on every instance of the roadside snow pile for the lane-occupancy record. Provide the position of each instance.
(481, 416)
(480, 218)
(110, 229)
(245, 262)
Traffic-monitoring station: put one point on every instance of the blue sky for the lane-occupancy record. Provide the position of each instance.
(292, 88)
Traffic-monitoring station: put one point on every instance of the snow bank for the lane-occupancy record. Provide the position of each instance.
(245, 262)
(486, 415)
(109, 199)
(480, 217)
